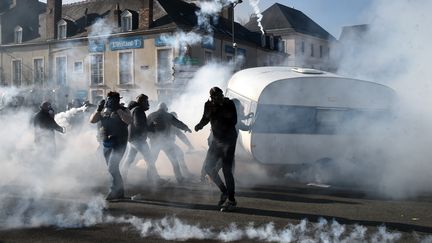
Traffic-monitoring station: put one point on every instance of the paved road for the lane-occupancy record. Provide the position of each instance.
(194, 204)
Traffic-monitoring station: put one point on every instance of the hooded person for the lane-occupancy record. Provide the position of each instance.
(161, 122)
(45, 125)
(138, 130)
(222, 115)
(114, 120)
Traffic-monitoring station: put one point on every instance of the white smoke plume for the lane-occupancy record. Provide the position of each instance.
(40, 188)
(64, 118)
(257, 11)
(393, 51)
(172, 228)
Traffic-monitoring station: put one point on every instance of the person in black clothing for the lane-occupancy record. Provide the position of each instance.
(45, 125)
(177, 133)
(240, 126)
(161, 121)
(114, 120)
(137, 137)
(222, 115)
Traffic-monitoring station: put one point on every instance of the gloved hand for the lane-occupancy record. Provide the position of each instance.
(101, 105)
(198, 127)
(188, 130)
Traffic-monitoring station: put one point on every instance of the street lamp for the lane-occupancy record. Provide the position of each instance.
(232, 29)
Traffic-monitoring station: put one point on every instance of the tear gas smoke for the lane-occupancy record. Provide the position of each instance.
(64, 118)
(392, 51)
(40, 188)
(172, 228)
(257, 11)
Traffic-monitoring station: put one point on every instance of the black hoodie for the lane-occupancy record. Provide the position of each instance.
(138, 128)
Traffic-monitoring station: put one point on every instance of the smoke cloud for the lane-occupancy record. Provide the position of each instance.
(257, 11)
(393, 51)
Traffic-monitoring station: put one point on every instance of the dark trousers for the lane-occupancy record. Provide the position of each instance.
(113, 156)
(143, 148)
(223, 151)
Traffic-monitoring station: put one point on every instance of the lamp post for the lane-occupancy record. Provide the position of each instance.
(234, 44)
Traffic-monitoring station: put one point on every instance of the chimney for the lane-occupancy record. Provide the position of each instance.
(117, 16)
(228, 12)
(145, 17)
(53, 16)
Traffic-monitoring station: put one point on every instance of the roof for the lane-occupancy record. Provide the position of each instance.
(180, 14)
(252, 81)
(184, 15)
(279, 16)
(353, 32)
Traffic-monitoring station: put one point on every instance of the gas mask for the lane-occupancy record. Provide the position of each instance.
(112, 103)
(51, 112)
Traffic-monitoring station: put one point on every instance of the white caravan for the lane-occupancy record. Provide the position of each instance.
(306, 115)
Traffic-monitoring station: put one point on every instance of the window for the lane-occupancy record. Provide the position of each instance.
(164, 65)
(208, 56)
(321, 51)
(96, 96)
(263, 40)
(283, 46)
(60, 71)
(78, 67)
(125, 67)
(18, 35)
(302, 47)
(38, 71)
(16, 72)
(96, 69)
(126, 21)
(61, 29)
(312, 50)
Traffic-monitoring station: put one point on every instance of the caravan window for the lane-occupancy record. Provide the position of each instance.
(315, 120)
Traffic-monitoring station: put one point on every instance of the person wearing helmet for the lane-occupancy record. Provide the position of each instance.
(138, 130)
(161, 122)
(45, 125)
(221, 113)
(114, 120)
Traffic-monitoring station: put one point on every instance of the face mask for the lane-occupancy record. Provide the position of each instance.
(111, 103)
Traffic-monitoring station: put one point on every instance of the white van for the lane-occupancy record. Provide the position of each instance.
(305, 115)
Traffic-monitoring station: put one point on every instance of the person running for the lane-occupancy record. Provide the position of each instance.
(222, 115)
(114, 120)
(175, 132)
(161, 121)
(138, 130)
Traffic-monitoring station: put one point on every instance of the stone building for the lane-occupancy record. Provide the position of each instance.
(305, 42)
(85, 49)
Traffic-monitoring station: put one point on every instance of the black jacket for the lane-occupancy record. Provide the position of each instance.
(45, 125)
(223, 120)
(161, 121)
(138, 128)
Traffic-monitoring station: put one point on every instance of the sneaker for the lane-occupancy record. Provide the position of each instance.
(222, 200)
(229, 206)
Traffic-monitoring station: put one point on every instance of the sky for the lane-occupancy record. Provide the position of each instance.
(332, 15)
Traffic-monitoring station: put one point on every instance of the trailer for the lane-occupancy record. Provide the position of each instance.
(306, 115)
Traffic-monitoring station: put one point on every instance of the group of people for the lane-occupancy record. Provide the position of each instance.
(123, 127)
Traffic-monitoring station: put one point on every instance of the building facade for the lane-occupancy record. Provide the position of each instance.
(305, 42)
(85, 49)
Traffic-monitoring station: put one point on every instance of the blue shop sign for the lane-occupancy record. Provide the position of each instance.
(122, 43)
(96, 45)
(160, 41)
(230, 49)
